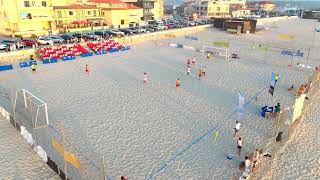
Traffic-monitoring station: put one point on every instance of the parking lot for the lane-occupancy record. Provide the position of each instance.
(8, 44)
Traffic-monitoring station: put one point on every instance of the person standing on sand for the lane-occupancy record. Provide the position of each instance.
(277, 78)
(123, 178)
(178, 83)
(188, 70)
(200, 73)
(204, 71)
(239, 145)
(86, 68)
(188, 62)
(237, 128)
(145, 79)
(247, 162)
(194, 60)
(33, 67)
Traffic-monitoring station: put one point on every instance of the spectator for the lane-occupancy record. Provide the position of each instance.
(277, 109)
(247, 162)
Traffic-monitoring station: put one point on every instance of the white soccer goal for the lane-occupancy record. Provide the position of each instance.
(216, 52)
(37, 107)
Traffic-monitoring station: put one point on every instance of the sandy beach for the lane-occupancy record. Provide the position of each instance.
(155, 130)
(18, 160)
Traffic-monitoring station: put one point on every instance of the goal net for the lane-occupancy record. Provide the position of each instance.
(30, 110)
(216, 52)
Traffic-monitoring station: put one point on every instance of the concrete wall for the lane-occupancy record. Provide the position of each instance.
(262, 21)
(15, 56)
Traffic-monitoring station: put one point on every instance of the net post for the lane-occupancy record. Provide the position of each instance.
(24, 98)
(46, 109)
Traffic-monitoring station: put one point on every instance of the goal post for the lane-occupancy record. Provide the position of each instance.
(216, 52)
(26, 102)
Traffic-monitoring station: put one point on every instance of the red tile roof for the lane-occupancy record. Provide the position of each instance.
(131, 6)
(118, 8)
(75, 6)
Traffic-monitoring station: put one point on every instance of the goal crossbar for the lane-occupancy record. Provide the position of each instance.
(41, 104)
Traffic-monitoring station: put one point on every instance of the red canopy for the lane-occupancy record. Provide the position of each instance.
(80, 22)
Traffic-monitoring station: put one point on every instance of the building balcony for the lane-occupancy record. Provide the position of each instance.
(94, 17)
(77, 18)
(38, 18)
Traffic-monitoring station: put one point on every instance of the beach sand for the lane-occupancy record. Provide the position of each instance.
(157, 130)
(18, 160)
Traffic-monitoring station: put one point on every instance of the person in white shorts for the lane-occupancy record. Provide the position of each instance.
(145, 79)
(189, 70)
(239, 145)
(237, 128)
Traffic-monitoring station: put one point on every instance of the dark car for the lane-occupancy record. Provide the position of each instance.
(30, 42)
(111, 33)
(102, 34)
(126, 31)
(68, 38)
(11, 42)
(134, 30)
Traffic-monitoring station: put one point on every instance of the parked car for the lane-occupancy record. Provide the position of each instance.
(200, 22)
(92, 36)
(3, 46)
(169, 26)
(44, 41)
(111, 33)
(29, 42)
(57, 39)
(117, 32)
(102, 34)
(79, 35)
(154, 27)
(68, 38)
(149, 29)
(126, 31)
(191, 23)
(162, 27)
(11, 42)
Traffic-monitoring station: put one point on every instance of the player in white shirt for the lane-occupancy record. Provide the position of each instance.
(237, 128)
(145, 79)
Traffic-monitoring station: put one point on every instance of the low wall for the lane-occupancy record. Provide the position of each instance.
(262, 21)
(13, 56)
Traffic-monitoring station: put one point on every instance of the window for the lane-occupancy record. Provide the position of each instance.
(102, 13)
(71, 13)
(218, 8)
(94, 13)
(89, 12)
(26, 4)
(44, 3)
(205, 8)
(122, 21)
(59, 14)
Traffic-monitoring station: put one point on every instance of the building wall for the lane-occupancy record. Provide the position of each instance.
(117, 18)
(135, 15)
(213, 9)
(18, 18)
